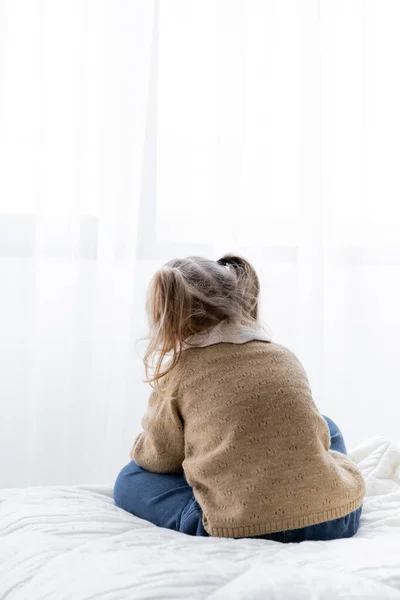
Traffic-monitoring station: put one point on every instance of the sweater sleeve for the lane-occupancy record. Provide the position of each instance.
(160, 447)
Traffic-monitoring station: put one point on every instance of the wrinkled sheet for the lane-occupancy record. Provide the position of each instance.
(72, 542)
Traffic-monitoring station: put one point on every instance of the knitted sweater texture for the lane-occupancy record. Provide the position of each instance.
(242, 424)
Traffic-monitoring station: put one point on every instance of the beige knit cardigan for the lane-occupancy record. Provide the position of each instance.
(243, 426)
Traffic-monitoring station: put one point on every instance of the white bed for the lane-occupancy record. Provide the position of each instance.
(72, 542)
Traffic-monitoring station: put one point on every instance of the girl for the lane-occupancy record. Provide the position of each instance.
(232, 444)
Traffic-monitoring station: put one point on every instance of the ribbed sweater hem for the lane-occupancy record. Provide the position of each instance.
(278, 525)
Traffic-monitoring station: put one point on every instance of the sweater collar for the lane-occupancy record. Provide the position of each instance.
(227, 333)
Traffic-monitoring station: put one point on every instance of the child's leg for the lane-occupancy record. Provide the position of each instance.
(166, 500)
(337, 441)
(337, 529)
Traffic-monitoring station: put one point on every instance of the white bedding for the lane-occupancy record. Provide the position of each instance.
(72, 542)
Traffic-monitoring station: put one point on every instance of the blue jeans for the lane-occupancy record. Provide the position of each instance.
(167, 500)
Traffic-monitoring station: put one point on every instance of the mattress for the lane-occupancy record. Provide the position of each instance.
(73, 543)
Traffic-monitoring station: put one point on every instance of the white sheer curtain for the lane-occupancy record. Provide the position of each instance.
(132, 131)
(278, 137)
(74, 81)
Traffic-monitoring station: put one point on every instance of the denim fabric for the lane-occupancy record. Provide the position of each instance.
(167, 500)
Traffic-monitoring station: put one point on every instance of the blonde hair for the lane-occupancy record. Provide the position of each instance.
(191, 295)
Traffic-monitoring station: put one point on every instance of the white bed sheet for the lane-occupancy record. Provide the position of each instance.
(73, 543)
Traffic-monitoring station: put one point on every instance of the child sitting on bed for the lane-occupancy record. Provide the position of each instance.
(232, 445)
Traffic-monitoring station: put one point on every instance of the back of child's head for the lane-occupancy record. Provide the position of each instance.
(191, 295)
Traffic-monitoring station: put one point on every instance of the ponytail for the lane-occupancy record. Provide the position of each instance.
(171, 304)
(247, 281)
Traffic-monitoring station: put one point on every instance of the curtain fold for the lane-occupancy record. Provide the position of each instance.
(73, 109)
